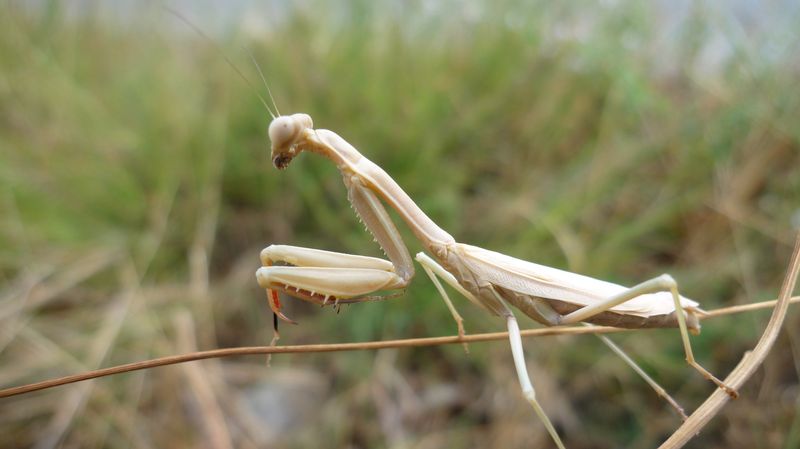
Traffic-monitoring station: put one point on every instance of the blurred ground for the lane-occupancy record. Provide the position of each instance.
(616, 139)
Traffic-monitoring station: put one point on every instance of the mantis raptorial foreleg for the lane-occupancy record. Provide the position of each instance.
(335, 274)
(324, 277)
(327, 277)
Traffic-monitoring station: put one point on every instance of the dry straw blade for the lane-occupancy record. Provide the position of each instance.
(749, 363)
(343, 347)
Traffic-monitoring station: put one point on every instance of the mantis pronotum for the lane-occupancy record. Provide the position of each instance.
(488, 279)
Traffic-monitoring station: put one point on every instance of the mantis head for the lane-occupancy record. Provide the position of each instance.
(285, 133)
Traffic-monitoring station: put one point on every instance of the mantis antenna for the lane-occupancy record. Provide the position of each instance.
(261, 74)
(230, 63)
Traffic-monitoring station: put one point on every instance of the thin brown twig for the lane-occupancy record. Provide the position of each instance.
(340, 347)
(295, 349)
(747, 366)
(745, 308)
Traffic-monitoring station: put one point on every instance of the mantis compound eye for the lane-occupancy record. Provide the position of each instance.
(282, 131)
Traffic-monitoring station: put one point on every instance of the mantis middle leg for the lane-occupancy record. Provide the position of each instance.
(515, 338)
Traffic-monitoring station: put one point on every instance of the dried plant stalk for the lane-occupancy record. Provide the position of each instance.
(747, 366)
(341, 347)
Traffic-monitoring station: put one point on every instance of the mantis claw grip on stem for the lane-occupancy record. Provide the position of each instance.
(486, 278)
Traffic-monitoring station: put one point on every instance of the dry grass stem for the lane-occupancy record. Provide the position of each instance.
(341, 347)
(747, 366)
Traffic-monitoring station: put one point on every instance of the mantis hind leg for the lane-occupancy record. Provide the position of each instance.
(660, 391)
(663, 283)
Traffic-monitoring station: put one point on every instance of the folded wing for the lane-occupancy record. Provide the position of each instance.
(551, 283)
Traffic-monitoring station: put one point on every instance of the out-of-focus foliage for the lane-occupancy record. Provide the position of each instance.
(615, 139)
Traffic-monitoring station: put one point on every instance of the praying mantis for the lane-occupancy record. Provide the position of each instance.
(493, 281)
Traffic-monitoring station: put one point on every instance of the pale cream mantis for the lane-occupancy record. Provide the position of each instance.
(488, 279)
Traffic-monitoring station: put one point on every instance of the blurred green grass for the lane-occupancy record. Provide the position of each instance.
(136, 191)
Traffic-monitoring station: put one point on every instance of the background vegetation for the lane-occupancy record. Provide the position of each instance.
(616, 139)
